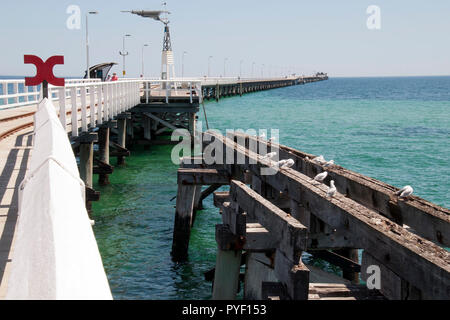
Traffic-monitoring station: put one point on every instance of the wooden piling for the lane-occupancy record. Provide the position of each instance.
(226, 277)
(122, 137)
(183, 222)
(103, 148)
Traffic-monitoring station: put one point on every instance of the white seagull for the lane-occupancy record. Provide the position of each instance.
(331, 190)
(405, 192)
(263, 136)
(320, 159)
(269, 155)
(320, 177)
(329, 163)
(289, 163)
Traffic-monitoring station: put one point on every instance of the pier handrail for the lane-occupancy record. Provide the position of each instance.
(14, 93)
(56, 254)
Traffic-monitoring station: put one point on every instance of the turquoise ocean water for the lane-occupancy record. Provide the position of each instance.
(393, 129)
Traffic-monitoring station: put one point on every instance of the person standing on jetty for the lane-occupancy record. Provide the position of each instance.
(114, 77)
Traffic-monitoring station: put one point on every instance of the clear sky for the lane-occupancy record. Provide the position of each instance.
(303, 36)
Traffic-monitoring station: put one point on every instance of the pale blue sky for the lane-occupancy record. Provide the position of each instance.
(320, 35)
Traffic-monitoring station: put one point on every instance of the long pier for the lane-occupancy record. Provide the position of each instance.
(113, 116)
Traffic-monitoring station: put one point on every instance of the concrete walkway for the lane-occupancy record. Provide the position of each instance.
(15, 152)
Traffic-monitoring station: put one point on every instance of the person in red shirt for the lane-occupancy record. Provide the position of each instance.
(114, 77)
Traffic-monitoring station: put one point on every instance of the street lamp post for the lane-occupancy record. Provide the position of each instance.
(262, 71)
(145, 45)
(124, 54)
(182, 65)
(209, 66)
(87, 43)
(253, 67)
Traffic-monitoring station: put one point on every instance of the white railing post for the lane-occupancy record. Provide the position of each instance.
(106, 105)
(114, 98)
(26, 91)
(62, 106)
(73, 98)
(167, 92)
(92, 103)
(99, 105)
(16, 92)
(190, 92)
(84, 127)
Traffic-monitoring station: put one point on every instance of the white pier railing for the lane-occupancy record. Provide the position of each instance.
(14, 92)
(56, 255)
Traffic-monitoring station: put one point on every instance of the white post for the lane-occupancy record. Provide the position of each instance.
(83, 110)
(16, 92)
(74, 121)
(99, 105)
(107, 111)
(92, 103)
(62, 106)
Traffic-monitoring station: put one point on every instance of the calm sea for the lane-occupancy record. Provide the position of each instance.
(393, 129)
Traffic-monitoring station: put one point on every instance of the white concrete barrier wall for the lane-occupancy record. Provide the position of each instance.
(55, 255)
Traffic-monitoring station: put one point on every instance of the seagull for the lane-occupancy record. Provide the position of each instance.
(288, 164)
(405, 192)
(320, 159)
(320, 177)
(331, 190)
(269, 155)
(263, 136)
(329, 163)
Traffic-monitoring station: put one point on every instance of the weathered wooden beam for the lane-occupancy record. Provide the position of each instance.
(208, 191)
(332, 240)
(163, 122)
(102, 168)
(337, 260)
(202, 177)
(289, 232)
(259, 239)
(417, 260)
(118, 150)
(220, 198)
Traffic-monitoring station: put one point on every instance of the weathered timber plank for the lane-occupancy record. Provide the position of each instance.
(289, 232)
(202, 176)
(258, 239)
(220, 197)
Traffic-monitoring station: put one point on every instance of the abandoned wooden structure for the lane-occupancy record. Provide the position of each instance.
(269, 221)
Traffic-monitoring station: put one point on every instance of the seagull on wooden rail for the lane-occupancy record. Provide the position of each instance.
(331, 190)
(269, 156)
(285, 163)
(329, 164)
(320, 159)
(288, 164)
(405, 192)
(320, 177)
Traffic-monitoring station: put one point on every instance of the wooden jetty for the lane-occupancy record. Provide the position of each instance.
(270, 220)
(111, 115)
